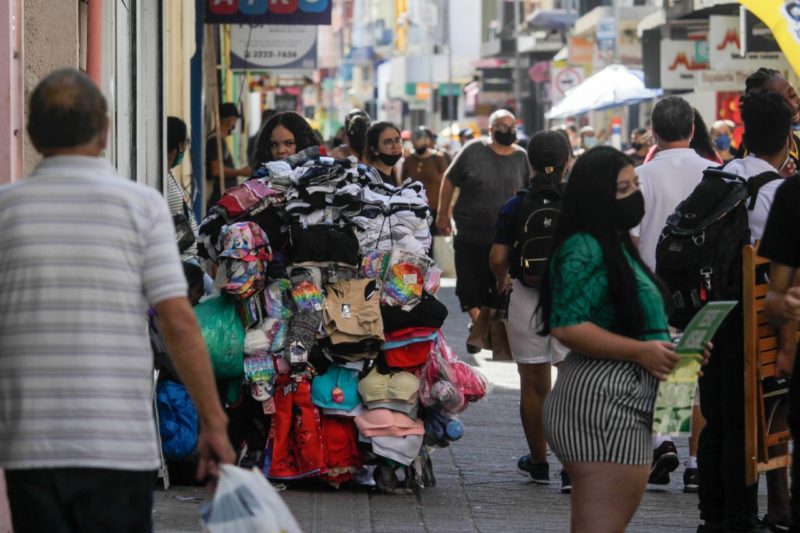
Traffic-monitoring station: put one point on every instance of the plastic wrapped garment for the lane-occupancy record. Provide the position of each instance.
(177, 420)
(224, 334)
(245, 502)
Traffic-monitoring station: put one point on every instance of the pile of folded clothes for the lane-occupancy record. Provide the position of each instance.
(345, 374)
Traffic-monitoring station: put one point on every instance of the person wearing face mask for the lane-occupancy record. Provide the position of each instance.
(384, 148)
(228, 118)
(548, 153)
(601, 301)
(722, 136)
(588, 139)
(177, 199)
(426, 165)
(487, 173)
(725, 501)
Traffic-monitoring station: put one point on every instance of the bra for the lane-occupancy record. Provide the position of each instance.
(386, 423)
(399, 386)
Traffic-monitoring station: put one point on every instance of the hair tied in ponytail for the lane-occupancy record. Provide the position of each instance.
(549, 170)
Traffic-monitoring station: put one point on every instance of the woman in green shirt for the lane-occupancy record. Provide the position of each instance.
(603, 303)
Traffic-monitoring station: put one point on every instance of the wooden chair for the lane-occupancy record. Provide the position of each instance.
(760, 350)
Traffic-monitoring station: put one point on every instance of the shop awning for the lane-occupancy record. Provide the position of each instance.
(613, 86)
(551, 19)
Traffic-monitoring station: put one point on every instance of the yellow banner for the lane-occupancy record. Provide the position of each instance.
(783, 18)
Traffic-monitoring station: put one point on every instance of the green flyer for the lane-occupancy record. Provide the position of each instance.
(673, 411)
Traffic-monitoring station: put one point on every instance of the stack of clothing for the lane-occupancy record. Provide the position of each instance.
(341, 321)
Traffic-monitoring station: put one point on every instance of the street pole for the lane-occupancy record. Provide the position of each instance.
(616, 31)
(450, 93)
(517, 80)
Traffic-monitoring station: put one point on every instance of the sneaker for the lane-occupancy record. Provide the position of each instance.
(665, 460)
(539, 472)
(690, 480)
(566, 482)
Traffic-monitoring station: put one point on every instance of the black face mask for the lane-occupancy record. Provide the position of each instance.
(629, 211)
(421, 150)
(506, 138)
(389, 159)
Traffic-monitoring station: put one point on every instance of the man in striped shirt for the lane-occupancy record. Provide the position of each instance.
(83, 253)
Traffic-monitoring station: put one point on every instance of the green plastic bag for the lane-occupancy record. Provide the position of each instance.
(223, 332)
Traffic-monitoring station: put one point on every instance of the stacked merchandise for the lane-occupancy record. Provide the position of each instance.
(326, 269)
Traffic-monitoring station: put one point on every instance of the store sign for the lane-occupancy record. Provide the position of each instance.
(564, 79)
(273, 47)
(725, 48)
(498, 80)
(581, 51)
(681, 61)
(290, 12)
(606, 34)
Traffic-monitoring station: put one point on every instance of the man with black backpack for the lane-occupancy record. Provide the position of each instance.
(522, 241)
(700, 259)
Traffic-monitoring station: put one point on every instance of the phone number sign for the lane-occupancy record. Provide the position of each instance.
(273, 47)
(293, 12)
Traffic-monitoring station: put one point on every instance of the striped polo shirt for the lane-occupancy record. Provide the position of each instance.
(83, 252)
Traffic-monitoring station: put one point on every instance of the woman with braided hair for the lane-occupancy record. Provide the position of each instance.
(548, 153)
(356, 124)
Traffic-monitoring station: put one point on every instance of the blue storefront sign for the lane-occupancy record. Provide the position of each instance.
(284, 12)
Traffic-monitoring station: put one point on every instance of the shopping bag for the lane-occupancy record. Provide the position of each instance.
(245, 502)
(498, 333)
(223, 333)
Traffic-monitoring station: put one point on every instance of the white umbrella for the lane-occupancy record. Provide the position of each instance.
(613, 86)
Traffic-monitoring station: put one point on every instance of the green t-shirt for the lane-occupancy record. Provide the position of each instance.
(580, 290)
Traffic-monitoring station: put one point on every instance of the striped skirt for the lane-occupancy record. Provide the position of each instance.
(601, 411)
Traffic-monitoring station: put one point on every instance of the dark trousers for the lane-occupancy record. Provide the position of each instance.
(86, 500)
(724, 498)
(793, 418)
(475, 282)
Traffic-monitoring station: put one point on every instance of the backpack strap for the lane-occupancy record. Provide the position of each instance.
(755, 183)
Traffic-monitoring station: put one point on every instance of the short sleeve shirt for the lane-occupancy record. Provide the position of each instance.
(779, 242)
(85, 252)
(485, 180)
(580, 290)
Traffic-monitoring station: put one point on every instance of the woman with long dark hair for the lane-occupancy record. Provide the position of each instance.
(600, 300)
(548, 154)
(284, 135)
(384, 149)
(701, 140)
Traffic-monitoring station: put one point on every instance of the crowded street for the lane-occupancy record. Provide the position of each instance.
(476, 490)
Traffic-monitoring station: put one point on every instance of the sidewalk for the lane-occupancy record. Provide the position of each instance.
(478, 488)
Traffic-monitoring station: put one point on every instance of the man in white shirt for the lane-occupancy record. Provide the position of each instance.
(665, 182)
(85, 253)
(671, 175)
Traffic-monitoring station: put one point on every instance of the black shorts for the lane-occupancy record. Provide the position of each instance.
(80, 499)
(474, 280)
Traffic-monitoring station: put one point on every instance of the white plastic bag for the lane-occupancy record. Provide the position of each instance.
(245, 502)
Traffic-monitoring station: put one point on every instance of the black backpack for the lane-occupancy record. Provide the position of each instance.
(536, 221)
(699, 253)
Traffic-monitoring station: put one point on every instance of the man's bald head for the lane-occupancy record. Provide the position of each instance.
(67, 110)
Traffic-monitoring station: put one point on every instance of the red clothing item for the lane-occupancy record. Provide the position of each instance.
(297, 450)
(342, 456)
(409, 357)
